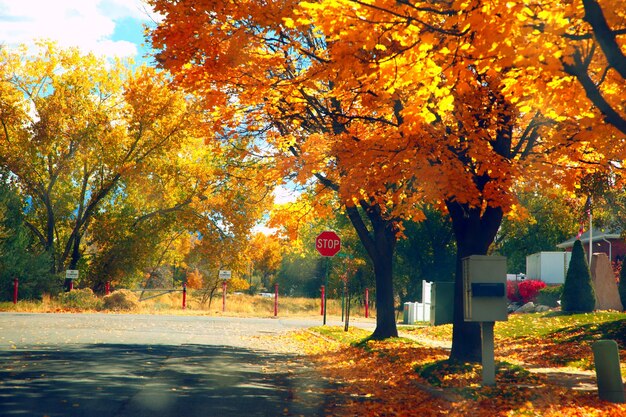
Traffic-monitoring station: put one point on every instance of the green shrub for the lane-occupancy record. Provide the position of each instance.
(549, 296)
(578, 294)
(121, 300)
(83, 299)
(20, 254)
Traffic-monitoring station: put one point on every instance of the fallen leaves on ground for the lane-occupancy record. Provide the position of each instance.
(544, 352)
(381, 378)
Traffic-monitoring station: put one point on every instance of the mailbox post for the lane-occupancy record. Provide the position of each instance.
(484, 301)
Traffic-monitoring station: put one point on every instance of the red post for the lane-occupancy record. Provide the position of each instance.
(184, 296)
(107, 288)
(71, 284)
(275, 300)
(323, 297)
(367, 302)
(15, 285)
(223, 295)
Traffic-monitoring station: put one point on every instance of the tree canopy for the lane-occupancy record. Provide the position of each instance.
(391, 104)
(111, 162)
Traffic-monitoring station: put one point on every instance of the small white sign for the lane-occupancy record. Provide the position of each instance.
(71, 274)
(225, 274)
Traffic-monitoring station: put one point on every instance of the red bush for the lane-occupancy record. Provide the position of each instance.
(523, 291)
(529, 289)
(512, 292)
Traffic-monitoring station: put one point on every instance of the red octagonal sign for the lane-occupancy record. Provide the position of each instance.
(328, 243)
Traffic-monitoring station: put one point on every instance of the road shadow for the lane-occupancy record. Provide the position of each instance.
(120, 380)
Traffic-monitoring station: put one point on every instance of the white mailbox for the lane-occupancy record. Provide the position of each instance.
(484, 288)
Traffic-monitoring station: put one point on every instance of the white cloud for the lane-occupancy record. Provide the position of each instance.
(87, 24)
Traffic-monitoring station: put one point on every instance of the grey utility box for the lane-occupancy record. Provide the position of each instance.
(484, 288)
(441, 303)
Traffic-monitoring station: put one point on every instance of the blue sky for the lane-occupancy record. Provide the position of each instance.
(105, 27)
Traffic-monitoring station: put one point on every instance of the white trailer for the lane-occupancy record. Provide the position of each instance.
(549, 267)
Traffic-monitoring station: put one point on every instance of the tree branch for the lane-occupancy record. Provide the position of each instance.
(362, 230)
(593, 92)
(605, 36)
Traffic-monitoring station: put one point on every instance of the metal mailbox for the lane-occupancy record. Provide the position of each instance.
(488, 289)
(484, 288)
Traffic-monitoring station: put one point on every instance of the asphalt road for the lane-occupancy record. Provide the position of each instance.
(101, 365)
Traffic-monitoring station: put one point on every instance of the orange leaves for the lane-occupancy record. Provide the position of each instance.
(265, 253)
(194, 279)
(386, 99)
(374, 383)
(543, 352)
(380, 378)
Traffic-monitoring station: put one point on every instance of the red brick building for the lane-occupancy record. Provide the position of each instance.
(609, 242)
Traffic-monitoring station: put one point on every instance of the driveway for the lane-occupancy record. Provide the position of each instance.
(151, 365)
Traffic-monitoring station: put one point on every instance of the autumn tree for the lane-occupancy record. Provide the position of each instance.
(474, 125)
(395, 104)
(194, 279)
(96, 146)
(208, 259)
(287, 121)
(80, 139)
(265, 254)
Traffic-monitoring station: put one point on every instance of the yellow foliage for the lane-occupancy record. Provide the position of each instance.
(238, 284)
(117, 155)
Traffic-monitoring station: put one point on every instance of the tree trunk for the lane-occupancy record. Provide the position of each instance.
(474, 230)
(385, 306)
(75, 257)
(49, 235)
(380, 245)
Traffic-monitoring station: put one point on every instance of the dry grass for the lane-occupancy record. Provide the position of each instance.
(46, 305)
(236, 305)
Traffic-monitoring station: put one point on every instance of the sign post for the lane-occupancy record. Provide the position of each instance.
(328, 244)
(223, 296)
(326, 273)
(71, 275)
(225, 274)
(484, 301)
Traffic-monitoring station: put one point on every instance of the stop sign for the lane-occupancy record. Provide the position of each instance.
(328, 243)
